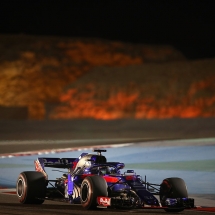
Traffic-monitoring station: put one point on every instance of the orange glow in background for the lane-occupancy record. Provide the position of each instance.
(88, 103)
(71, 75)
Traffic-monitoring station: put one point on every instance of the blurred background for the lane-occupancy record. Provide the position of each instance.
(78, 73)
(107, 60)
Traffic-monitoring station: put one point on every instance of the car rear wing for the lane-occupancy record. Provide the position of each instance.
(41, 163)
(69, 163)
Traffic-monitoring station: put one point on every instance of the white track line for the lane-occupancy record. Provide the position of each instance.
(8, 191)
(54, 151)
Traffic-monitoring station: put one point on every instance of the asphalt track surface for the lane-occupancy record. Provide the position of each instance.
(73, 133)
(90, 133)
(10, 206)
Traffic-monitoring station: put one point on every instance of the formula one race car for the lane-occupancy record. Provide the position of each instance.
(95, 183)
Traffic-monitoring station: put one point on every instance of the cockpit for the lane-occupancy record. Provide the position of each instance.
(103, 170)
(96, 164)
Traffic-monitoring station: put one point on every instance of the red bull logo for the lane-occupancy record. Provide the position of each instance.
(103, 201)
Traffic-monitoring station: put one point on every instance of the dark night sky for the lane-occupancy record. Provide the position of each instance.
(187, 25)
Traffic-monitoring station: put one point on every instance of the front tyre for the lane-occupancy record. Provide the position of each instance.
(91, 188)
(31, 187)
(173, 188)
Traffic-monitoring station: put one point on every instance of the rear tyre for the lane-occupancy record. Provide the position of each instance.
(31, 187)
(91, 188)
(173, 188)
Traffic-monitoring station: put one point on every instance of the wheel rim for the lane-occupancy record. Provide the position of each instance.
(20, 187)
(85, 192)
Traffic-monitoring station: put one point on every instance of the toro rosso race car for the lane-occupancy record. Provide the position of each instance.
(95, 183)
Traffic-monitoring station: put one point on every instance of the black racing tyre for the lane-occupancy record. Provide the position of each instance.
(91, 187)
(31, 187)
(173, 188)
